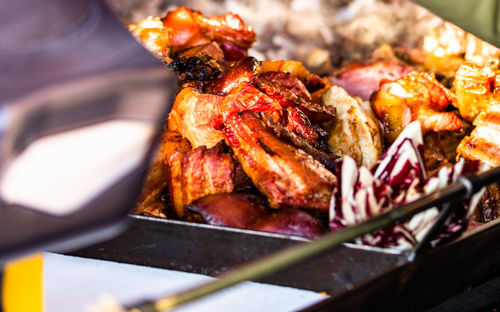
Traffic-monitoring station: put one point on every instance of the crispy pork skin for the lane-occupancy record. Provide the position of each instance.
(484, 141)
(195, 116)
(476, 89)
(416, 96)
(242, 72)
(149, 202)
(198, 173)
(286, 175)
(360, 79)
(285, 134)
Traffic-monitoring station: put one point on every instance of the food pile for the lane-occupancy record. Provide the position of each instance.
(269, 146)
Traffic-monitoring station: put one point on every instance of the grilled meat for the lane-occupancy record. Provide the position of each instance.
(195, 116)
(488, 207)
(355, 131)
(248, 211)
(312, 82)
(360, 79)
(416, 96)
(434, 157)
(149, 201)
(328, 160)
(484, 141)
(286, 175)
(247, 97)
(154, 36)
(183, 29)
(243, 71)
(198, 173)
(476, 89)
(191, 28)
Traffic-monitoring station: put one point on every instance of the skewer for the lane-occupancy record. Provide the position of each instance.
(464, 187)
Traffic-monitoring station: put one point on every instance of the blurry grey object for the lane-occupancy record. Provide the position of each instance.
(45, 42)
(70, 68)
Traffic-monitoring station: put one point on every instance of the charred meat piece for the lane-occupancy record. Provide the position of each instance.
(488, 207)
(190, 28)
(291, 221)
(416, 96)
(201, 63)
(236, 210)
(250, 212)
(198, 173)
(194, 69)
(195, 116)
(296, 121)
(484, 141)
(288, 81)
(355, 131)
(243, 71)
(286, 175)
(247, 97)
(149, 202)
(476, 89)
(312, 82)
(289, 97)
(328, 160)
(360, 79)
(434, 157)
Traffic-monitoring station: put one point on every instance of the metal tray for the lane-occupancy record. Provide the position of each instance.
(355, 277)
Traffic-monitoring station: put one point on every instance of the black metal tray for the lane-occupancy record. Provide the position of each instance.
(355, 277)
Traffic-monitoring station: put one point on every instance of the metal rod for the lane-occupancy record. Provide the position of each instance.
(294, 255)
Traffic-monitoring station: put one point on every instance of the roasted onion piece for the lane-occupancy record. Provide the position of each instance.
(247, 211)
(286, 175)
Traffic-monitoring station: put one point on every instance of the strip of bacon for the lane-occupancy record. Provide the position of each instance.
(286, 175)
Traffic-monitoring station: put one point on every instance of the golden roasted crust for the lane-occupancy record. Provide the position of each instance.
(416, 96)
(194, 115)
(286, 175)
(197, 173)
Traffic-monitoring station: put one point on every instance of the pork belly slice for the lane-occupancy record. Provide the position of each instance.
(243, 71)
(360, 79)
(476, 89)
(197, 173)
(286, 175)
(291, 137)
(484, 141)
(195, 115)
(149, 202)
(416, 96)
(248, 211)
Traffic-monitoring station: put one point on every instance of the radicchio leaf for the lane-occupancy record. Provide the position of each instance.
(398, 178)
